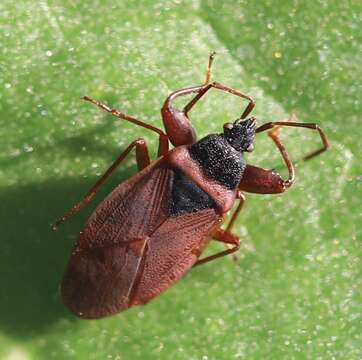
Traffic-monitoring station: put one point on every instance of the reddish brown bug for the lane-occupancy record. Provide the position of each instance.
(153, 227)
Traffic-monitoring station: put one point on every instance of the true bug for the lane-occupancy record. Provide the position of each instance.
(153, 227)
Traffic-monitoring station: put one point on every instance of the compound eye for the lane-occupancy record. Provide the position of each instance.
(228, 126)
(250, 148)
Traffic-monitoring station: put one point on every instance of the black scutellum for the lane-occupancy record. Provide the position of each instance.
(186, 196)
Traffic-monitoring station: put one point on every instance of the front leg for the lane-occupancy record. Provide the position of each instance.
(177, 123)
(277, 124)
(261, 181)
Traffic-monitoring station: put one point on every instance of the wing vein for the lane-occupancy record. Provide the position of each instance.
(120, 207)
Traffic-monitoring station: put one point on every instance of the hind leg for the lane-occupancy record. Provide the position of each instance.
(226, 236)
(163, 139)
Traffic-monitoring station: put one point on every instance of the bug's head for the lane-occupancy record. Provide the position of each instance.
(240, 134)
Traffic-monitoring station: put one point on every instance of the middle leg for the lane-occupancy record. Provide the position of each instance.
(226, 236)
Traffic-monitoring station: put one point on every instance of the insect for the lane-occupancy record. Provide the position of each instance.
(152, 228)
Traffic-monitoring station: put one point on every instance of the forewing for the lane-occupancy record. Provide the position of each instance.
(131, 249)
(105, 262)
(172, 250)
(131, 211)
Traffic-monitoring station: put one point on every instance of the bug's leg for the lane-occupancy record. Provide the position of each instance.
(209, 67)
(262, 181)
(221, 87)
(163, 139)
(313, 126)
(143, 160)
(226, 236)
(177, 123)
(225, 88)
(204, 89)
(236, 213)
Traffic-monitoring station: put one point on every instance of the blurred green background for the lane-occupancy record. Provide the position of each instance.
(296, 289)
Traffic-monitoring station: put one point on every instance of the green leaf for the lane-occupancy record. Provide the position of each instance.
(295, 290)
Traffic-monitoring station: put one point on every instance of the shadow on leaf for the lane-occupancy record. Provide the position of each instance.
(33, 257)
